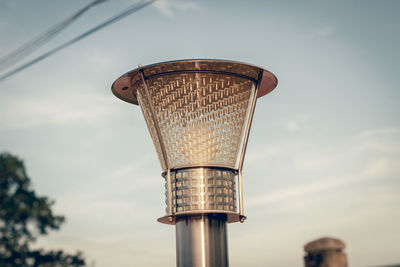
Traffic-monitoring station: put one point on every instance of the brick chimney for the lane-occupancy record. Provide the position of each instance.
(325, 252)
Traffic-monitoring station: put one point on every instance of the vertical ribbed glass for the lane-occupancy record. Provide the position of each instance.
(201, 116)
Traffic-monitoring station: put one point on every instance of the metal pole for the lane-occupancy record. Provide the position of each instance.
(161, 142)
(244, 147)
(201, 241)
(155, 120)
(250, 120)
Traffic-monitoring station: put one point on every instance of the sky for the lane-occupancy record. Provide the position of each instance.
(323, 154)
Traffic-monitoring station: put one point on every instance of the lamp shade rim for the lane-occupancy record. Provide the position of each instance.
(124, 87)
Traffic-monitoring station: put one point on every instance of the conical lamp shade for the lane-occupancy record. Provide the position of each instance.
(200, 107)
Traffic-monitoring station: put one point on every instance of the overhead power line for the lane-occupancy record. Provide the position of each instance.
(44, 37)
(130, 10)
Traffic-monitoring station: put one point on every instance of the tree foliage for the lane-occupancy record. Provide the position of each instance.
(23, 217)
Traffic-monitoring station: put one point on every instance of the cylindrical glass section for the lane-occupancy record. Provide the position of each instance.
(201, 116)
(201, 241)
(205, 190)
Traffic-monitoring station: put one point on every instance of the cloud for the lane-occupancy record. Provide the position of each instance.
(128, 178)
(170, 7)
(375, 171)
(367, 156)
(295, 124)
(326, 31)
(17, 112)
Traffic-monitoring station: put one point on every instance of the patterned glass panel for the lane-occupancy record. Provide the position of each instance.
(201, 116)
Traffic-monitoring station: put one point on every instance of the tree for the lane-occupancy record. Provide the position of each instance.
(23, 217)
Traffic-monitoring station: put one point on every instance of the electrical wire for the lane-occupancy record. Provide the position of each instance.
(26, 49)
(130, 10)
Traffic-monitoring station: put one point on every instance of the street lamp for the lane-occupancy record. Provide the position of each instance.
(199, 114)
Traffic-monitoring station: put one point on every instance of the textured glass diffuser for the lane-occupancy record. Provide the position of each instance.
(201, 108)
(201, 117)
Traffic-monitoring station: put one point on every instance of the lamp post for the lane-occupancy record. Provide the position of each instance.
(199, 114)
